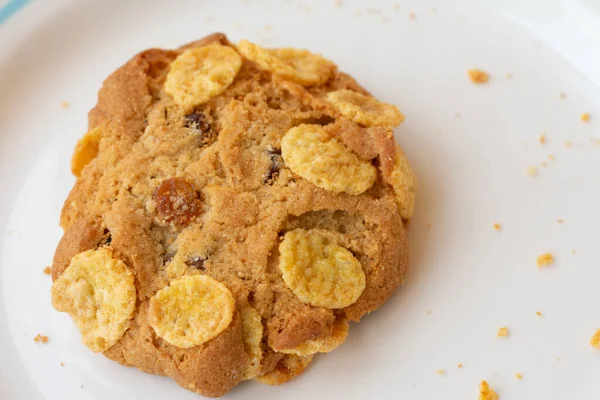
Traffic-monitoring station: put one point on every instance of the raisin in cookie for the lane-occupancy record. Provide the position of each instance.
(235, 208)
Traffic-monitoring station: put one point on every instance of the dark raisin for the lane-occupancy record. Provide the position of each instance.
(106, 239)
(177, 201)
(196, 262)
(197, 120)
(168, 256)
(276, 164)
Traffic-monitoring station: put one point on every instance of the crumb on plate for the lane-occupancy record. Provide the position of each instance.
(595, 340)
(560, 221)
(542, 138)
(440, 372)
(485, 392)
(478, 76)
(460, 365)
(532, 171)
(412, 16)
(47, 270)
(62, 364)
(538, 313)
(545, 259)
(509, 76)
(518, 375)
(64, 104)
(568, 145)
(562, 95)
(497, 226)
(584, 117)
(40, 339)
(502, 332)
(551, 157)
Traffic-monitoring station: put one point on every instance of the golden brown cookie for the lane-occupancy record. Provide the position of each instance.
(235, 208)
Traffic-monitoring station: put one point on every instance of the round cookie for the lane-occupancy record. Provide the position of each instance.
(248, 202)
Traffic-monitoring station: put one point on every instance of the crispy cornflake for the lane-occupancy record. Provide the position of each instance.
(518, 375)
(289, 367)
(191, 310)
(478, 76)
(585, 117)
(86, 150)
(595, 340)
(47, 270)
(98, 291)
(325, 162)
(497, 226)
(40, 339)
(404, 182)
(200, 73)
(486, 393)
(319, 272)
(545, 259)
(338, 336)
(300, 66)
(502, 332)
(365, 110)
(252, 332)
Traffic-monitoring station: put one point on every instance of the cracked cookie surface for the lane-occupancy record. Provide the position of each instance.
(241, 259)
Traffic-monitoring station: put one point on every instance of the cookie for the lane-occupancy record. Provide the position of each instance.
(235, 209)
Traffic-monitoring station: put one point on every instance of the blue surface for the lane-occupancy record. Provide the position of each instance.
(12, 7)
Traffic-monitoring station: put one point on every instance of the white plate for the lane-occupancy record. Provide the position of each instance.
(470, 146)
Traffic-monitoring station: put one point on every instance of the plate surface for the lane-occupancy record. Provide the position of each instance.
(471, 147)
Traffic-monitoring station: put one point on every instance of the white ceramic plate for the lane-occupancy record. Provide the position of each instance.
(470, 145)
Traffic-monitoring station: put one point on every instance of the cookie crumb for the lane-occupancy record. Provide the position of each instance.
(595, 340)
(509, 76)
(478, 76)
(562, 95)
(428, 311)
(502, 332)
(440, 372)
(585, 117)
(267, 27)
(532, 171)
(560, 221)
(459, 366)
(339, 3)
(412, 16)
(518, 375)
(497, 226)
(538, 313)
(551, 157)
(64, 104)
(81, 387)
(542, 138)
(47, 270)
(573, 251)
(396, 6)
(486, 393)
(545, 259)
(62, 364)
(40, 339)
(558, 359)
(568, 145)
